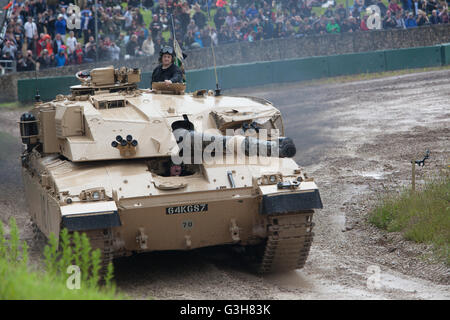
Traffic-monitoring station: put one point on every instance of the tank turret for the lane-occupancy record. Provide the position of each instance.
(108, 104)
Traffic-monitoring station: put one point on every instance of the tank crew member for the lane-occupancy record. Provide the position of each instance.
(167, 71)
(175, 170)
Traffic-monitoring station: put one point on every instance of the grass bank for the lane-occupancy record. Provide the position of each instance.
(372, 75)
(19, 281)
(422, 216)
(15, 105)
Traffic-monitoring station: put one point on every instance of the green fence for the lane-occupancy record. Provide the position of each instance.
(356, 63)
(413, 58)
(260, 73)
(445, 54)
(48, 87)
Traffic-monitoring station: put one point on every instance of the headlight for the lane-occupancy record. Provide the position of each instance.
(94, 194)
(270, 179)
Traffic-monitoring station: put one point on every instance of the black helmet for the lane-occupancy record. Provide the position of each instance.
(166, 50)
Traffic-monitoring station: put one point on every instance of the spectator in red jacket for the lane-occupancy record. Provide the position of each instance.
(363, 25)
(444, 15)
(78, 54)
(394, 7)
(49, 45)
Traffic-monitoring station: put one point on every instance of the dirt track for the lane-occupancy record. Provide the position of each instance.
(356, 140)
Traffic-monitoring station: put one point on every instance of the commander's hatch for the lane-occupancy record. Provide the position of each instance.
(117, 107)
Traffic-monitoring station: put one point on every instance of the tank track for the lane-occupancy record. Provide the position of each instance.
(288, 242)
(102, 239)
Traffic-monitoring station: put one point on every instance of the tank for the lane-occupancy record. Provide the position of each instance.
(142, 170)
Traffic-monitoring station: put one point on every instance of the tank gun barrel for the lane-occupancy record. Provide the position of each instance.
(282, 147)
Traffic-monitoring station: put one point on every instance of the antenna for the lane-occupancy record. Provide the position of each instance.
(217, 91)
(173, 29)
(96, 31)
(37, 97)
(177, 50)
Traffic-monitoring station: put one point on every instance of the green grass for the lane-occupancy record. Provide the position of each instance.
(371, 76)
(319, 10)
(422, 216)
(13, 105)
(213, 13)
(8, 104)
(19, 281)
(166, 35)
(147, 16)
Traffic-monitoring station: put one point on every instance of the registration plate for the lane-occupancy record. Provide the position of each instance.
(189, 208)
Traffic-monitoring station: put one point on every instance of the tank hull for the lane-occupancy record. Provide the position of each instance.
(196, 220)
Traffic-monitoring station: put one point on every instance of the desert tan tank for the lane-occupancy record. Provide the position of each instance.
(144, 170)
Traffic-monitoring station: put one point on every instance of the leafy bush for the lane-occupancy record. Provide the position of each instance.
(76, 250)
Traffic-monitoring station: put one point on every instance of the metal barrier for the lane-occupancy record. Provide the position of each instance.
(7, 66)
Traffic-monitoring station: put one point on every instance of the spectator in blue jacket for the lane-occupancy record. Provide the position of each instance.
(410, 22)
(407, 5)
(251, 12)
(60, 25)
(198, 39)
(60, 58)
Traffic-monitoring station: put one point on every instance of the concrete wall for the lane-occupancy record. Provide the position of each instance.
(260, 73)
(266, 50)
(325, 45)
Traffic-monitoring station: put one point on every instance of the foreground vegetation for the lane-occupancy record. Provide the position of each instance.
(422, 216)
(19, 281)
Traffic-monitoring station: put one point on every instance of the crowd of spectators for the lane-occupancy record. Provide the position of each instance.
(44, 32)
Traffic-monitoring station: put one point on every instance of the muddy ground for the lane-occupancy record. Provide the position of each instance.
(357, 140)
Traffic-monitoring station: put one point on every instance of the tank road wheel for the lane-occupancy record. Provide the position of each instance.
(39, 240)
(289, 238)
(37, 233)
